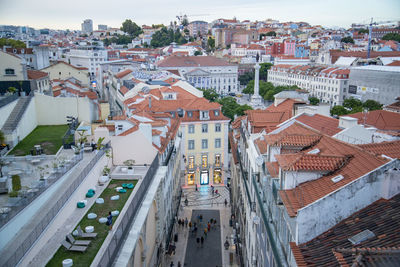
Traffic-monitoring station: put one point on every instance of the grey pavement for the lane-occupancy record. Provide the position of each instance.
(203, 201)
(209, 253)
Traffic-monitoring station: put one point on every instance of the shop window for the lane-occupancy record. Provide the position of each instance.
(218, 160)
(217, 176)
(191, 162)
(190, 178)
(204, 162)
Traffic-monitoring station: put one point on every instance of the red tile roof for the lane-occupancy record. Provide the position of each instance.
(335, 54)
(358, 164)
(380, 119)
(124, 90)
(122, 74)
(273, 168)
(325, 125)
(310, 162)
(333, 248)
(192, 61)
(391, 149)
(36, 74)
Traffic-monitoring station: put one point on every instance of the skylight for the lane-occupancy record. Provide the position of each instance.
(314, 151)
(337, 178)
(361, 237)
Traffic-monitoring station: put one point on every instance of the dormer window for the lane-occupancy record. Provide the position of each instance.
(216, 113)
(190, 114)
(204, 115)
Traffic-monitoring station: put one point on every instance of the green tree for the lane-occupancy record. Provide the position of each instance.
(392, 36)
(210, 94)
(16, 182)
(229, 106)
(271, 33)
(211, 43)
(339, 111)
(246, 77)
(185, 22)
(131, 28)
(347, 39)
(166, 36)
(264, 67)
(11, 42)
(352, 103)
(313, 100)
(372, 105)
(360, 31)
(198, 53)
(241, 109)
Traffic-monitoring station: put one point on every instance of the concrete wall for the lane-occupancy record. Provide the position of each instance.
(5, 112)
(28, 121)
(133, 146)
(293, 179)
(63, 71)
(319, 216)
(80, 107)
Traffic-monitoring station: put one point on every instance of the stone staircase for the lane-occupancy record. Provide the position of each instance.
(16, 114)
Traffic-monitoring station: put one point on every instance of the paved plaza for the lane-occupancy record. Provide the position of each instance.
(213, 253)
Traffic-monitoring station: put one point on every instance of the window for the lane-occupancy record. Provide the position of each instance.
(218, 127)
(191, 128)
(190, 114)
(217, 142)
(204, 128)
(191, 145)
(216, 112)
(204, 143)
(218, 160)
(10, 72)
(204, 115)
(191, 162)
(204, 162)
(190, 178)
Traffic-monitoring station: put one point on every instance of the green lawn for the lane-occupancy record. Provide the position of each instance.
(48, 136)
(86, 258)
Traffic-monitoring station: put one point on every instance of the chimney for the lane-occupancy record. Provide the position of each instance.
(346, 122)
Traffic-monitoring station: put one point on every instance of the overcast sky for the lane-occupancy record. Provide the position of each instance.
(69, 14)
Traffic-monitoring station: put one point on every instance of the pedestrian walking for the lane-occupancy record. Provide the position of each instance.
(205, 232)
(109, 220)
(226, 202)
(172, 264)
(198, 241)
(201, 218)
(216, 192)
(202, 241)
(179, 264)
(186, 221)
(215, 222)
(190, 224)
(208, 226)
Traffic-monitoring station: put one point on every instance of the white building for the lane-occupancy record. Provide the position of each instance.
(205, 72)
(326, 83)
(87, 26)
(89, 58)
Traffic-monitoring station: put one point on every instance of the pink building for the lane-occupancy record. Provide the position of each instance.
(289, 47)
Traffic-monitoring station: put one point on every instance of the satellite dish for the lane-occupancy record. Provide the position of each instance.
(146, 89)
(259, 160)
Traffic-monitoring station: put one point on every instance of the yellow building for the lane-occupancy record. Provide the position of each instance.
(205, 149)
(11, 68)
(63, 71)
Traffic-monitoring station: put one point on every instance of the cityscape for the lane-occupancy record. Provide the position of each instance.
(247, 135)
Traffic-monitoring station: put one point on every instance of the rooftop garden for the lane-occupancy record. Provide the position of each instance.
(49, 137)
(102, 230)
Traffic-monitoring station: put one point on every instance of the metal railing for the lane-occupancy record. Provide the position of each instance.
(17, 254)
(121, 231)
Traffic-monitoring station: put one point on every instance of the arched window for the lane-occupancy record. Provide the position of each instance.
(10, 72)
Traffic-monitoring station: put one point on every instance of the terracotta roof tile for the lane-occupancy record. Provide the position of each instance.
(325, 125)
(273, 169)
(333, 248)
(36, 74)
(391, 149)
(192, 61)
(380, 119)
(122, 74)
(310, 162)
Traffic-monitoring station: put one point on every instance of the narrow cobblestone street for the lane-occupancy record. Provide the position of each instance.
(213, 252)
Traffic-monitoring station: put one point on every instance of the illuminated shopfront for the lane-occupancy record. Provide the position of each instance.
(204, 178)
(217, 176)
(190, 178)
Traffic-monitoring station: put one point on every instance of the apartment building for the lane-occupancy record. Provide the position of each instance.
(228, 36)
(203, 127)
(204, 72)
(88, 57)
(293, 184)
(329, 84)
(87, 26)
(63, 71)
(198, 28)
